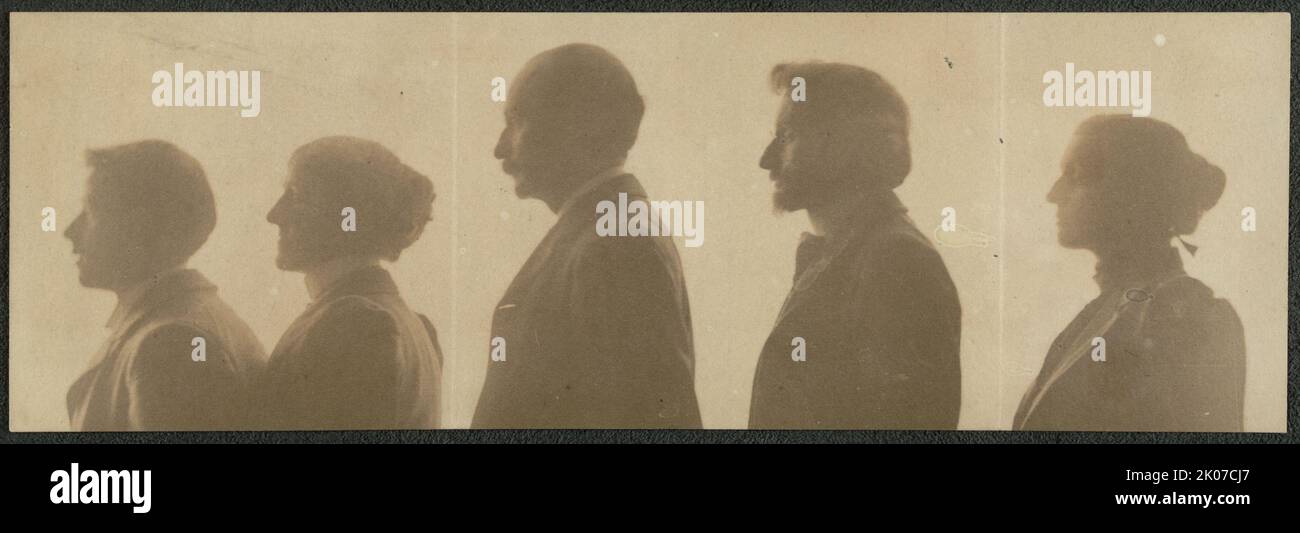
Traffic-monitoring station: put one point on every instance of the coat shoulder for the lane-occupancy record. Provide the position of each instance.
(354, 315)
(899, 246)
(1185, 314)
(170, 341)
(1187, 299)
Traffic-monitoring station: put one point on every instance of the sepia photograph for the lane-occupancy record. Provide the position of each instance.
(237, 221)
(666, 221)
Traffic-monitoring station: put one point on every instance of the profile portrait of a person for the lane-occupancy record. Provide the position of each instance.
(176, 357)
(358, 357)
(596, 330)
(1174, 354)
(872, 306)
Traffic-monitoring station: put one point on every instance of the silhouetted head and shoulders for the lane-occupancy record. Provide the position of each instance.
(872, 302)
(1174, 353)
(333, 178)
(1128, 187)
(597, 327)
(148, 208)
(572, 115)
(838, 154)
(361, 357)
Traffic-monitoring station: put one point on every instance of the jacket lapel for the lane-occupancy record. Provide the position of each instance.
(1112, 308)
(1075, 348)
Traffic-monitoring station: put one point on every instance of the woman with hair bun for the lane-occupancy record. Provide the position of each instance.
(1174, 355)
(358, 357)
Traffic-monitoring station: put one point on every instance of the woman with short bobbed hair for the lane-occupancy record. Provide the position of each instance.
(1174, 354)
(358, 357)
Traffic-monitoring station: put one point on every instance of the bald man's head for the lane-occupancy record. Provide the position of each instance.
(572, 110)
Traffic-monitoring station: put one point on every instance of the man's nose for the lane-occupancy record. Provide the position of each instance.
(273, 216)
(769, 159)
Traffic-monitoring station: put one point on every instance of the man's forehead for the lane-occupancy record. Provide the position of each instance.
(1081, 152)
(785, 113)
(523, 79)
(540, 86)
(522, 100)
(1079, 146)
(94, 186)
(297, 178)
(103, 197)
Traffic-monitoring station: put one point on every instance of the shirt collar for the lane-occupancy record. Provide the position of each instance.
(371, 279)
(1138, 269)
(862, 215)
(130, 301)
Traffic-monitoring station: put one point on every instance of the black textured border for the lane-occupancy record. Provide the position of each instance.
(656, 436)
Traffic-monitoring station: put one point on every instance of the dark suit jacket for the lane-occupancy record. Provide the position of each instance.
(597, 331)
(1175, 361)
(357, 358)
(881, 327)
(144, 376)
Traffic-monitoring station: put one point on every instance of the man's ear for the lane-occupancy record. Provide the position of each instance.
(887, 152)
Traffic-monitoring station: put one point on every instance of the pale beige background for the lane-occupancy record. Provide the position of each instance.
(420, 84)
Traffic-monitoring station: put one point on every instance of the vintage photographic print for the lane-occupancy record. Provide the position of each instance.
(915, 221)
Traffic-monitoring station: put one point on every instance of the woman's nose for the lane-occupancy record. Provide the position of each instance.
(1054, 194)
(502, 149)
(74, 229)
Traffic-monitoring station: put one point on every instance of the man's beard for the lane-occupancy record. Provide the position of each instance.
(525, 181)
(523, 186)
(538, 181)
